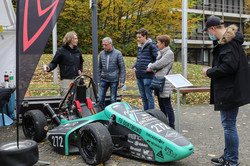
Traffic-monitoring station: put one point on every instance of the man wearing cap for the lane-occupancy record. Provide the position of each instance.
(230, 80)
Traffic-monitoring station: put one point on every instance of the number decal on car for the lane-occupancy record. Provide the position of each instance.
(57, 141)
(159, 127)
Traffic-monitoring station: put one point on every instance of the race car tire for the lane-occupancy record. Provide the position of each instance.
(26, 154)
(34, 125)
(159, 115)
(94, 143)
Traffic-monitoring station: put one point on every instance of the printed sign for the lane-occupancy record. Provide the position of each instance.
(178, 80)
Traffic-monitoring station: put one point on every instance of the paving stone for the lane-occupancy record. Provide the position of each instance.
(199, 123)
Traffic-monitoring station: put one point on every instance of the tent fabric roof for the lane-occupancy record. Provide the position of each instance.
(7, 15)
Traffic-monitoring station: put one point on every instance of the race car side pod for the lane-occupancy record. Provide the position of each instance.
(52, 114)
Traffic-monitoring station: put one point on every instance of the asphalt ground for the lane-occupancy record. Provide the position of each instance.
(199, 123)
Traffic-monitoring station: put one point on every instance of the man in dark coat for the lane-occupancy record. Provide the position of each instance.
(70, 61)
(230, 80)
(146, 53)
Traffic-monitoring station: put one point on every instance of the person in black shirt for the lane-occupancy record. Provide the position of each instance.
(69, 58)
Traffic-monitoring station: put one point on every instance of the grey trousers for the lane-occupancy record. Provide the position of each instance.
(64, 87)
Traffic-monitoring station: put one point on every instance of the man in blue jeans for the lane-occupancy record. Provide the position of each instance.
(230, 80)
(111, 69)
(147, 52)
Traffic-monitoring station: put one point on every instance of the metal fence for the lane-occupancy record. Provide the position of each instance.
(219, 7)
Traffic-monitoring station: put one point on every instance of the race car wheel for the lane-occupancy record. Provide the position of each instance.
(26, 154)
(94, 143)
(159, 115)
(35, 125)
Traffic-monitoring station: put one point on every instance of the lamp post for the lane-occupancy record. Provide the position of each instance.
(184, 38)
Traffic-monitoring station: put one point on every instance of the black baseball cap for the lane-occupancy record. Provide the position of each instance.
(213, 21)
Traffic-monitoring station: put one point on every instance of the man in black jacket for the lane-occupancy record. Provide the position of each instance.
(70, 61)
(147, 52)
(230, 80)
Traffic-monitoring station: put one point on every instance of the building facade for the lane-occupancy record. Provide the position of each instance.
(199, 44)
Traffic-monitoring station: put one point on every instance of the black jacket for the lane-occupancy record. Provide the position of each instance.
(230, 76)
(69, 60)
(145, 54)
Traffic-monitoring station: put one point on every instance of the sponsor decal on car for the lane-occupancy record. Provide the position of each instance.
(147, 152)
(134, 137)
(154, 144)
(154, 138)
(170, 152)
(130, 126)
(147, 121)
(137, 143)
(135, 149)
(127, 112)
(171, 134)
(160, 155)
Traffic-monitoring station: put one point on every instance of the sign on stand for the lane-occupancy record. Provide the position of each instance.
(178, 82)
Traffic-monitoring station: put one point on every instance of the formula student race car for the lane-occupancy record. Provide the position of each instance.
(83, 126)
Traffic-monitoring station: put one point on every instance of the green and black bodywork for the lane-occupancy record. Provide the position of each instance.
(135, 133)
(119, 128)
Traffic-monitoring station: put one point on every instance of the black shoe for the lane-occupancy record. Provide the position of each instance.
(227, 164)
(221, 161)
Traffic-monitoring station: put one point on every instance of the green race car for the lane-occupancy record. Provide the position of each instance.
(121, 128)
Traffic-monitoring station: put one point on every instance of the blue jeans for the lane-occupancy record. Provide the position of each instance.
(147, 96)
(167, 109)
(103, 90)
(228, 120)
(9, 108)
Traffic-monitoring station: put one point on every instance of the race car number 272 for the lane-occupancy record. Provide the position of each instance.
(57, 141)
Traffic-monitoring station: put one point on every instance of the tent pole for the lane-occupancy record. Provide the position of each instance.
(94, 40)
(54, 38)
(17, 73)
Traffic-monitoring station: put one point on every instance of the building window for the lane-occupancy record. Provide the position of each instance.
(206, 2)
(205, 60)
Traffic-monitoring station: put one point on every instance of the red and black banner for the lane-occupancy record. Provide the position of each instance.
(35, 22)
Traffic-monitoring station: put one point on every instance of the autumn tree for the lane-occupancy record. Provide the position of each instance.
(75, 16)
(120, 19)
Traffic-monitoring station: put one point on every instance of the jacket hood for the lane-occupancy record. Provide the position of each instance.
(146, 43)
(231, 34)
(74, 50)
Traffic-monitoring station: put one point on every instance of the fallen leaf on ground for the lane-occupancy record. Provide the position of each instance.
(63, 157)
(118, 158)
(211, 155)
(73, 158)
(100, 164)
(42, 143)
